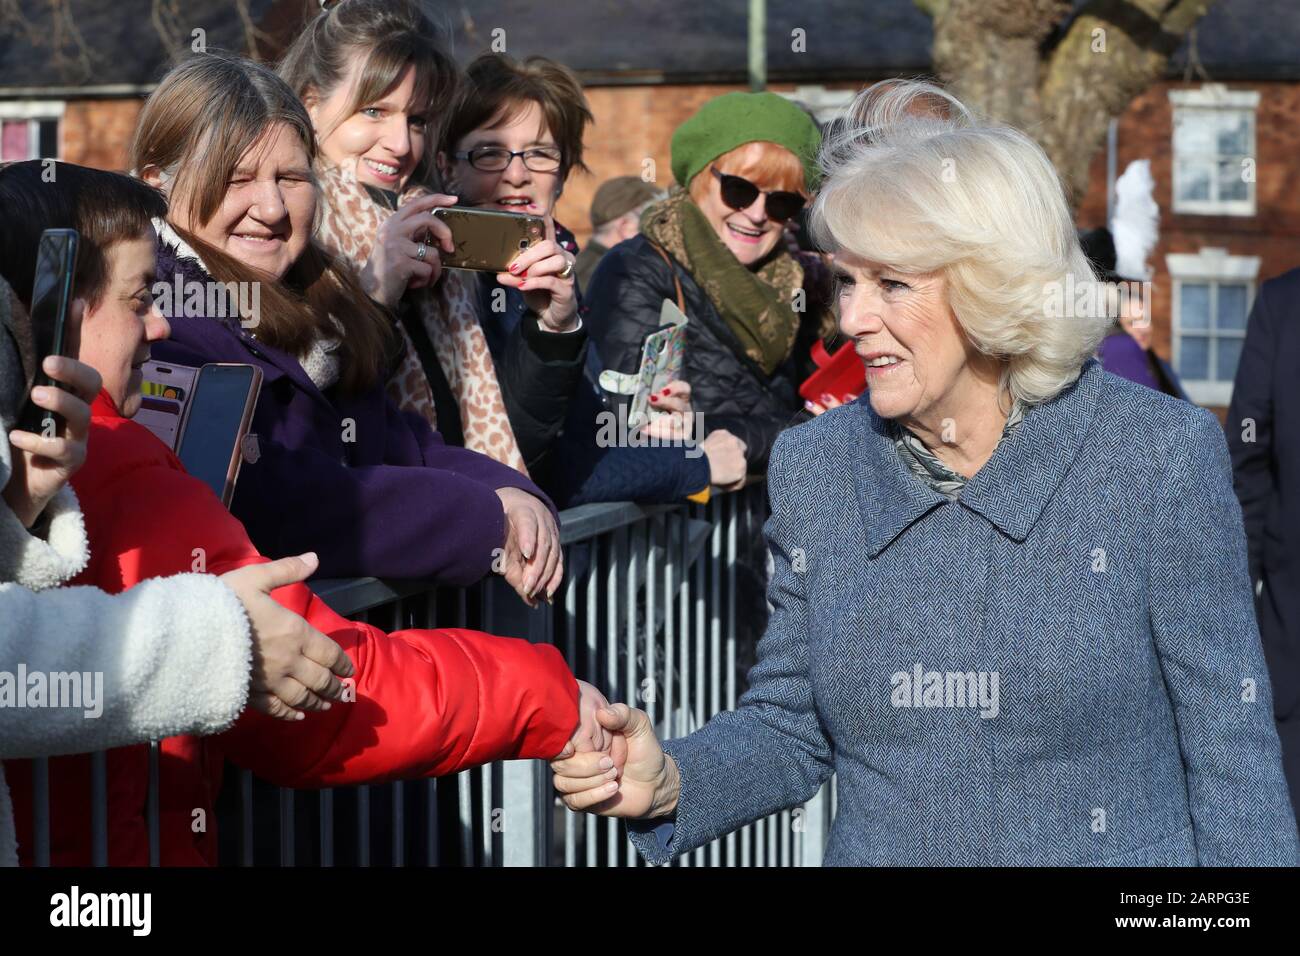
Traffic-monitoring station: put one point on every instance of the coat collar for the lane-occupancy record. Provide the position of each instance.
(103, 406)
(1012, 488)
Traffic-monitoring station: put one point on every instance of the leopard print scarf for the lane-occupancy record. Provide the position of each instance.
(347, 223)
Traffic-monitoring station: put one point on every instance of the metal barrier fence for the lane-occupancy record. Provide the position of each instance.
(661, 606)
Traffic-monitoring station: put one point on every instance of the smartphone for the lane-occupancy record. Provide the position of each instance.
(56, 264)
(217, 417)
(487, 240)
(165, 392)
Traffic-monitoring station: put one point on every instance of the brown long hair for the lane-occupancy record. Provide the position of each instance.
(194, 128)
(390, 35)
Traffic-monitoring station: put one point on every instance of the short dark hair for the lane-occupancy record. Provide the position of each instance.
(105, 208)
(495, 85)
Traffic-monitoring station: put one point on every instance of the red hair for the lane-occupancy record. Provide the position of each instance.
(770, 167)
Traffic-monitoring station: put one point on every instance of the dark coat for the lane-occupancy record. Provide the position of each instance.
(622, 308)
(1266, 474)
(394, 502)
(562, 398)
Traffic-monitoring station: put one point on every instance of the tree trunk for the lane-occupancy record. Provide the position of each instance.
(1021, 62)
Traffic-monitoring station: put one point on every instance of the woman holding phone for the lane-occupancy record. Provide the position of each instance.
(376, 78)
(509, 143)
(422, 702)
(199, 685)
(745, 166)
(337, 468)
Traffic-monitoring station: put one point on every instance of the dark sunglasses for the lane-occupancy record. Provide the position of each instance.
(740, 193)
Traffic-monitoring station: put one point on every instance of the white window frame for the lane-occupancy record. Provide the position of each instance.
(1214, 97)
(1210, 265)
(34, 111)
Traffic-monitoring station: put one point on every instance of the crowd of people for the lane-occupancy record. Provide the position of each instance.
(422, 422)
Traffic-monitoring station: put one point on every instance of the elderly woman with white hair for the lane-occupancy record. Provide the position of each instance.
(1011, 609)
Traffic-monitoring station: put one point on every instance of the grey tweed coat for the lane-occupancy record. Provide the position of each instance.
(1062, 667)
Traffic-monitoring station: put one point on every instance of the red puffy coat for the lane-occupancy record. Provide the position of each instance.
(428, 703)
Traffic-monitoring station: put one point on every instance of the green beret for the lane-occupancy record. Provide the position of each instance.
(734, 119)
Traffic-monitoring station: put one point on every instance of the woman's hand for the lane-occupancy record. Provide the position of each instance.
(828, 401)
(395, 264)
(636, 779)
(532, 559)
(726, 455)
(537, 273)
(44, 464)
(295, 666)
(679, 423)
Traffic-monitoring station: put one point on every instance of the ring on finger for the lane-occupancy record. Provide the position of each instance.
(421, 250)
(568, 270)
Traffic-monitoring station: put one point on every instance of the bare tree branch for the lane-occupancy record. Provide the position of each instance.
(251, 32)
(166, 18)
(63, 31)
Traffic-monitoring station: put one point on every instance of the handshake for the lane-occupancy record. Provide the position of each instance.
(614, 766)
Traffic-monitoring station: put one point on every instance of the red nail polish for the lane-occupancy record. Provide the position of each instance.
(665, 391)
(654, 398)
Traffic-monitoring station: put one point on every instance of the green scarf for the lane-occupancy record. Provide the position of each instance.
(757, 306)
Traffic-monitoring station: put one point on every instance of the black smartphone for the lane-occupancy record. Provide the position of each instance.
(56, 264)
(218, 417)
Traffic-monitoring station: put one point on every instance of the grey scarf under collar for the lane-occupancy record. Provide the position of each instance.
(927, 467)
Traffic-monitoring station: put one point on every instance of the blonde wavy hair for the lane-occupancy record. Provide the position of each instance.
(917, 181)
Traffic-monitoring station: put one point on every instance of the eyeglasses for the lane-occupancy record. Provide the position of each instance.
(740, 193)
(494, 159)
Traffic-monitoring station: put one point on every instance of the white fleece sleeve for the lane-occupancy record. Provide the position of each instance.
(170, 656)
(45, 561)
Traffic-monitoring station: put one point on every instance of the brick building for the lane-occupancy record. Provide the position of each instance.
(1222, 132)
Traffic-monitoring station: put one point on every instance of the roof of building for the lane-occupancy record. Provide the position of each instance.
(114, 48)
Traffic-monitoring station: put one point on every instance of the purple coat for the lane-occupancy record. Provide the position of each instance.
(1121, 355)
(394, 502)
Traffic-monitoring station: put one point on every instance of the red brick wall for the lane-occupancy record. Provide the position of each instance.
(1273, 233)
(98, 132)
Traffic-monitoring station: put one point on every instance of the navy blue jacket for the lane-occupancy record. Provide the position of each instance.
(576, 469)
(1264, 436)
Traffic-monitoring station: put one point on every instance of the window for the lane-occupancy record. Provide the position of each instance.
(1213, 292)
(1214, 150)
(29, 130)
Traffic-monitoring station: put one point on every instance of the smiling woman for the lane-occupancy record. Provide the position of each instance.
(745, 164)
(233, 148)
(998, 500)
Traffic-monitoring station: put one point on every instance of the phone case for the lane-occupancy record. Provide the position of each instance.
(487, 240)
(662, 356)
(841, 374)
(166, 389)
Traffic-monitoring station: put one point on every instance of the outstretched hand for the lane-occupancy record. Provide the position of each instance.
(635, 779)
